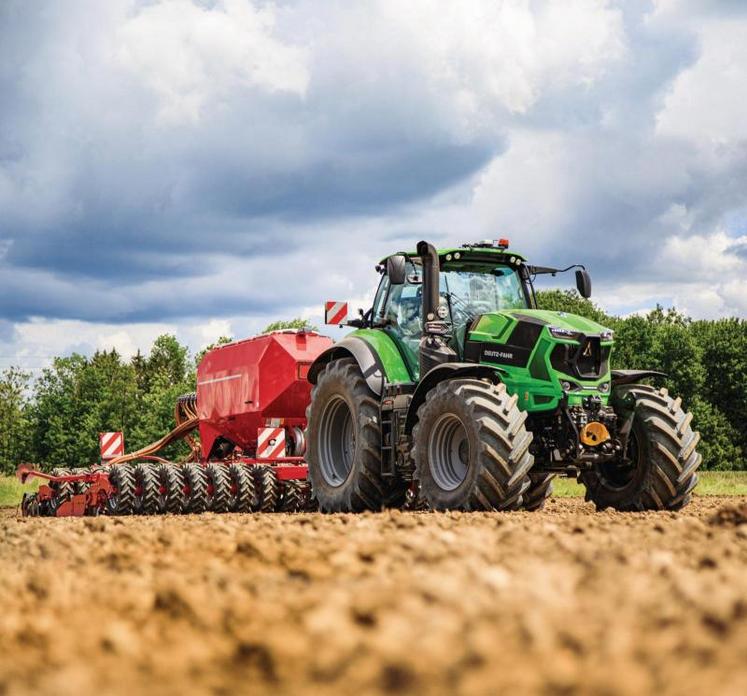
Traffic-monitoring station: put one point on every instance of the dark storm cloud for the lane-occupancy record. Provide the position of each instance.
(158, 160)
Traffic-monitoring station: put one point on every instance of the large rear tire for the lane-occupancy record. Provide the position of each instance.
(344, 442)
(471, 447)
(659, 468)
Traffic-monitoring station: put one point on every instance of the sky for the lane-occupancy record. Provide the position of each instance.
(204, 167)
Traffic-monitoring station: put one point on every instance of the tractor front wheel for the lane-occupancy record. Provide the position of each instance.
(658, 470)
(471, 447)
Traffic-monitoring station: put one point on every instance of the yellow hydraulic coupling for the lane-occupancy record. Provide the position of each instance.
(594, 433)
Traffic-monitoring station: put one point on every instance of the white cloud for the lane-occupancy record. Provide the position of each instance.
(707, 103)
(230, 163)
(189, 55)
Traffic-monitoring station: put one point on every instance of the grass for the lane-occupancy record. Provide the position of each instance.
(711, 483)
(11, 490)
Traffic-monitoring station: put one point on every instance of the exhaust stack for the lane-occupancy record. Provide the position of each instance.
(434, 349)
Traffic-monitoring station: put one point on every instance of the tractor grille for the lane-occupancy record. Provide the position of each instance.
(588, 360)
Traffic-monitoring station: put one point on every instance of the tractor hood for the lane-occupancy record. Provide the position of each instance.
(560, 320)
(524, 326)
(543, 345)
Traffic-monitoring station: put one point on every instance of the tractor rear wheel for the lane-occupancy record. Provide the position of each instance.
(145, 500)
(540, 489)
(218, 487)
(195, 482)
(471, 447)
(121, 501)
(658, 471)
(242, 493)
(344, 442)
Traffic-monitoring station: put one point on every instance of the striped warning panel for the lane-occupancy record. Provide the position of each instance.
(270, 443)
(335, 312)
(111, 445)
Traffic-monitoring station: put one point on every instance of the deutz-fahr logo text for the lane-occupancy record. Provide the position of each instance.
(500, 354)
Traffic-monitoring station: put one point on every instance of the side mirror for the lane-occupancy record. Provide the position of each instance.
(583, 283)
(396, 267)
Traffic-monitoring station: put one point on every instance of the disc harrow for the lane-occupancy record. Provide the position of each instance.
(160, 488)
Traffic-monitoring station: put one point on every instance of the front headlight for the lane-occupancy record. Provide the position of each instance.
(567, 334)
(607, 335)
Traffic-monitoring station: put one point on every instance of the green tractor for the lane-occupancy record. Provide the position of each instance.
(456, 392)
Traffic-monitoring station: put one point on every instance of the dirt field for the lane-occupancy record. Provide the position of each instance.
(559, 602)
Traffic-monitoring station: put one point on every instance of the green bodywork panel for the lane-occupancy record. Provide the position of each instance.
(541, 394)
(390, 354)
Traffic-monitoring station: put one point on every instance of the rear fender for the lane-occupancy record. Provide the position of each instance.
(443, 372)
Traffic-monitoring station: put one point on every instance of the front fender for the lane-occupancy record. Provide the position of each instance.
(376, 354)
(361, 352)
(443, 372)
(630, 376)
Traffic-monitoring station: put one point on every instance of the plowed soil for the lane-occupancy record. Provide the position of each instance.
(562, 601)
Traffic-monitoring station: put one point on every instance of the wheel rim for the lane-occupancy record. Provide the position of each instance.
(336, 442)
(448, 452)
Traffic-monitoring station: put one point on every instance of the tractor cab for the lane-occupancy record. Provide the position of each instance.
(473, 280)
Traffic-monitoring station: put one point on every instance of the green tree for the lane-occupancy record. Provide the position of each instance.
(164, 375)
(570, 301)
(296, 323)
(78, 398)
(15, 424)
(222, 340)
(724, 346)
(717, 445)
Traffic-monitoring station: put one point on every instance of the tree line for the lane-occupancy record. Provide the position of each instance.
(55, 419)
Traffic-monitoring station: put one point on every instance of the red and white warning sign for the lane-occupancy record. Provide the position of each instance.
(271, 443)
(111, 445)
(335, 312)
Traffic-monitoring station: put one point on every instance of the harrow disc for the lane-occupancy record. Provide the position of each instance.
(267, 487)
(30, 506)
(122, 499)
(171, 496)
(242, 493)
(195, 483)
(145, 499)
(218, 487)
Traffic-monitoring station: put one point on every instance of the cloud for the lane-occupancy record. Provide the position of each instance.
(182, 162)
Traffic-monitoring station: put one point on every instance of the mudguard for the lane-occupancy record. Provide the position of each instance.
(364, 355)
(440, 373)
(630, 376)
